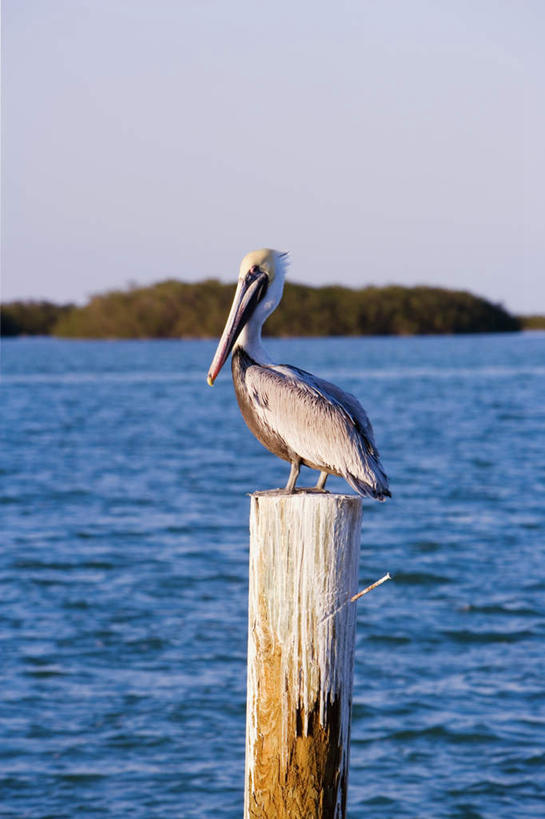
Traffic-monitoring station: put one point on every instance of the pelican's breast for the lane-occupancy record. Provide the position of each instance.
(249, 402)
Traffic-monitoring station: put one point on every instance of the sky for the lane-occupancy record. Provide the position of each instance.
(379, 141)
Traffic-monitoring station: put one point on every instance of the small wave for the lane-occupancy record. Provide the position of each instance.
(493, 786)
(389, 639)
(496, 608)
(515, 766)
(483, 637)
(420, 578)
(83, 777)
(441, 732)
(44, 672)
(379, 801)
(61, 566)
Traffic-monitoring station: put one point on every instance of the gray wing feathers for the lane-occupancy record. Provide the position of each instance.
(322, 424)
(348, 403)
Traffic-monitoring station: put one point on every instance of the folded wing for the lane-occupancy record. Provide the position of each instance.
(327, 427)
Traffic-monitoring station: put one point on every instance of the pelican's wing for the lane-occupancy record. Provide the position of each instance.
(322, 424)
(347, 402)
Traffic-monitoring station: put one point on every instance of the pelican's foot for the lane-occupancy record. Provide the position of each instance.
(280, 491)
(298, 490)
(314, 489)
(303, 490)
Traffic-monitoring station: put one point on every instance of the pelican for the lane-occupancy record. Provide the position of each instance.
(297, 416)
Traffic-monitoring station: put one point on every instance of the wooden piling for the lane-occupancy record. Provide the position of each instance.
(304, 554)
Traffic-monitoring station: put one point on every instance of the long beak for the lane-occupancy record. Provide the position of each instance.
(247, 296)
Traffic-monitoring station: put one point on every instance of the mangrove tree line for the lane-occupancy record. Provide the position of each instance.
(174, 309)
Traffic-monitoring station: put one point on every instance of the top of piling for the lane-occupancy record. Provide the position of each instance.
(302, 492)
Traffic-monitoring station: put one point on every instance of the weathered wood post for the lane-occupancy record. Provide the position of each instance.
(304, 554)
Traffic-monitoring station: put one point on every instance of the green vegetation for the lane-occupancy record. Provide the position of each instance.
(532, 322)
(391, 310)
(173, 309)
(170, 309)
(31, 318)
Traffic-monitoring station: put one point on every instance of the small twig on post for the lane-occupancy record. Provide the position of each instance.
(357, 596)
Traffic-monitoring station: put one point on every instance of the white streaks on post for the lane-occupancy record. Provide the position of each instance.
(304, 554)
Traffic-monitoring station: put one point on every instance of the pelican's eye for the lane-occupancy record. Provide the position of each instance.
(257, 270)
(262, 272)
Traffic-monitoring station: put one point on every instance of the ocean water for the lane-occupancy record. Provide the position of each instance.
(123, 577)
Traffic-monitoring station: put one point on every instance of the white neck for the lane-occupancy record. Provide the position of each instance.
(250, 341)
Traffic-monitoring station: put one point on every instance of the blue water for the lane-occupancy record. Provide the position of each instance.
(123, 578)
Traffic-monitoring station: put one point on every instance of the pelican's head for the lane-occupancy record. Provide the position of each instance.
(259, 290)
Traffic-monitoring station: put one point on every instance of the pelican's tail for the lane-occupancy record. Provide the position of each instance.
(374, 486)
(379, 491)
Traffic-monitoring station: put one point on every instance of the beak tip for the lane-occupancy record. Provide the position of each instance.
(210, 381)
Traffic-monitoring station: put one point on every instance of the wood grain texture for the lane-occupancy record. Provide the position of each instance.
(304, 554)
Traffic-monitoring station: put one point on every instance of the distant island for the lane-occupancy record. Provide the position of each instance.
(174, 309)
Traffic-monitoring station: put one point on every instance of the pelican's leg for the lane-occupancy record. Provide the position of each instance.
(321, 480)
(294, 474)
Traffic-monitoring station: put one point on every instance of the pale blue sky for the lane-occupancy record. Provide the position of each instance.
(378, 141)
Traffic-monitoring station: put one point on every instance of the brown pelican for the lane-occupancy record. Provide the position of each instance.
(297, 416)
